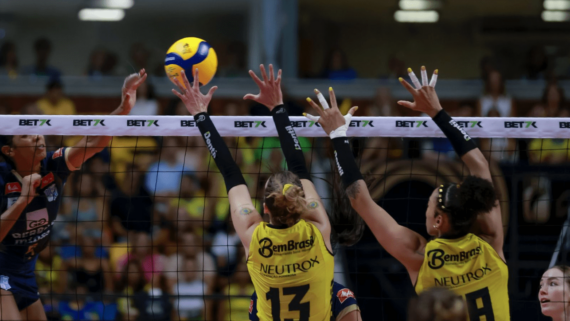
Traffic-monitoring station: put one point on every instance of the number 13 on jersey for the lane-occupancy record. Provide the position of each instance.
(295, 304)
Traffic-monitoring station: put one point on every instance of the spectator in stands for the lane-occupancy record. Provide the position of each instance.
(236, 308)
(551, 151)
(50, 272)
(54, 101)
(187, 212)
(139, 57)
(5, 110)
(437, 304)
(146, 101)
(132, 282)
(235, 65)
(81, 306)
(164, 176)
(487, 66)
(190, 246)
(536, 64)
(225, 247)
(88, 210)
(131, 206)
(155, 304)
(190, 291)
(31, 109)
(495, 100)
(8, 60)
(42, 47)
(96, 63)
(89, 268)
(337, 67)
(554, 294)
(143, 251)
(396, 68)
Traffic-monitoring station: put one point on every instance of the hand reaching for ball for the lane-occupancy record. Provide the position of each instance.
(270, 93)
(193, 99)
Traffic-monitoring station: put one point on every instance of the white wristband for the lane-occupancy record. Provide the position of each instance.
(341, 131)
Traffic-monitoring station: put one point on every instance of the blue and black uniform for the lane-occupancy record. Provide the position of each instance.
(343, 303)
(31, 232)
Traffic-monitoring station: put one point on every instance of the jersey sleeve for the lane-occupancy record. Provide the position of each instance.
(58, 163)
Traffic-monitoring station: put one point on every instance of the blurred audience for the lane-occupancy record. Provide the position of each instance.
(146, 100)
(54, 101)
(337, 67)
(495, 101)
(8, 60)
(42, 48)
(189, 292)
(536, 64)
(234, 64)
(236, 308)
(101, 63)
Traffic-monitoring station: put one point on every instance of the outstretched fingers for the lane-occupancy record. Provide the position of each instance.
(271, 74)
(414, 78)
(406, 104)
(255, 78)
(352, 110)
(278, 80)
(212, 91)
(425, 80)
(311, 117)
(407, 86)
(263, 73)
(178, 84)
(332, 97)
(196, 84)
(322, 99)
(434, 78)
(315, 106)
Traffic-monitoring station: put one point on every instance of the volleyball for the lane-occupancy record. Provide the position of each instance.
(188, 54)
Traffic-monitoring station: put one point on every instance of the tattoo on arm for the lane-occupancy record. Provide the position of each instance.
(353, 190)
(313, 205)
(245, 211)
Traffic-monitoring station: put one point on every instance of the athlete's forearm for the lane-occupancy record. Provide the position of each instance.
(219, 151)
(290, 143)
(347, 167)
(462, 144)
(10, 216)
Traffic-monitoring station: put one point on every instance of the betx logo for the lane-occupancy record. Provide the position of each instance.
(469, 124)
(89, 122)
(361, 123)
(520, 124)
(564, 124)
(35, 122)
(142, 123)
(187, 123)
(411, 123)
(304, 123)
(249, 124)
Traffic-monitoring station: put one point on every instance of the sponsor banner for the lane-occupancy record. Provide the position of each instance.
(250, 126)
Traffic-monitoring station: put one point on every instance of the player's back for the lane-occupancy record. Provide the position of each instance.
(470, 267)
(292, 271)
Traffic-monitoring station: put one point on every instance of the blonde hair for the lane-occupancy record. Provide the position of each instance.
(286, 203)
(437, 304)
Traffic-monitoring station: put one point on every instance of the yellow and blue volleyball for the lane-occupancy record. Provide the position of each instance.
(188, 54)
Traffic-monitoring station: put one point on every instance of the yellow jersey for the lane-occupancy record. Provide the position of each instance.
(292, 272)
(470, 267)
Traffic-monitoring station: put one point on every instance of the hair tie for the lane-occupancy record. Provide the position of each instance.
(286, 187)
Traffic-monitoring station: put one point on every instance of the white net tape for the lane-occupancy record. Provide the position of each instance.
(249, 126)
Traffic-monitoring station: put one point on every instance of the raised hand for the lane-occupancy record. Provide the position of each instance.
(129, 93)
(29, 185)
(269, 89)
(191, 96)
(330, 118)
(425, 97)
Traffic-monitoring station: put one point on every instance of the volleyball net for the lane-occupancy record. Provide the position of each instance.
(144, 227)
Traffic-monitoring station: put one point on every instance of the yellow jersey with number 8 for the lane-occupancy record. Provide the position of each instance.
(292, 272)
(470, 267)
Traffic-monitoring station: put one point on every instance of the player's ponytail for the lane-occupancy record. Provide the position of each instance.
(437, 304)
(464, 201)
(285, 198)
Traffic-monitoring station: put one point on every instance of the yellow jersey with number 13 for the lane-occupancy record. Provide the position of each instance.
(292, 272)
(470, 267)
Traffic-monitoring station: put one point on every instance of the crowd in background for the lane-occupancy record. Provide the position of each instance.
(144, 230)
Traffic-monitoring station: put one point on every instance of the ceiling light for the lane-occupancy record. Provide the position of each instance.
(419, 4)
(90, 14)
(117, 4)
(553, 16)
(416, 16)
(556, 5)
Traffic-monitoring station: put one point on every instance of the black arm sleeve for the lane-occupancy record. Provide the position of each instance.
(220, 152)
(289, 143)
(458, 138)
(345, 163)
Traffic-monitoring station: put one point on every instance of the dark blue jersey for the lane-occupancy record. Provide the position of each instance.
(30, 234)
